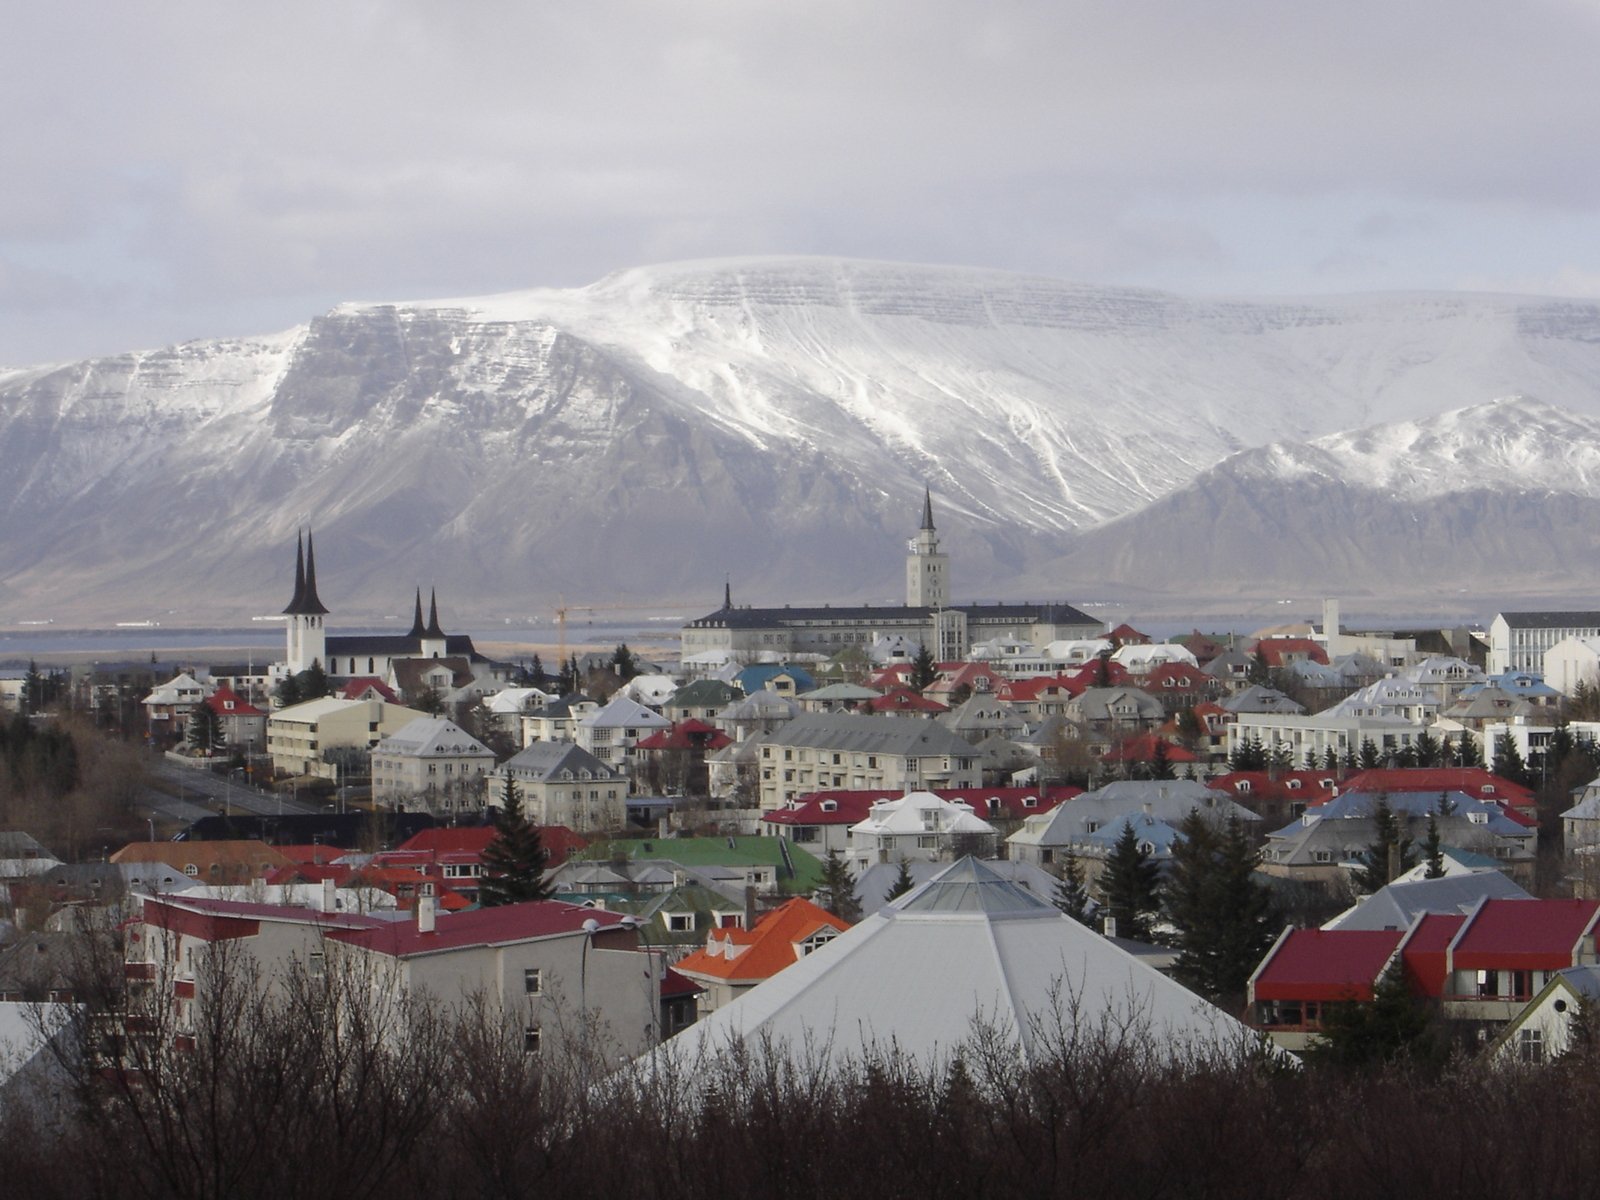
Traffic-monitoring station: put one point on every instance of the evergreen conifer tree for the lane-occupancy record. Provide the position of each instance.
(1071, 896)
(1508, 763)
(1160, 762)
(1222, 911)
(33, 689)
(313, 682)
(903, 882)
(514, 861)
(1369, 760)
(1395, 1026)
(1433, 850)
(1427, 750)
(838, 891)
(622, 662)
(923, 669)
(1390, 851)
(1130, 886)
(288, 693)
(1469, 753)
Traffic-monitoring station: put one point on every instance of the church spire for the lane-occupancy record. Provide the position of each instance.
(309, 604)
(927, 510)
(417, 631)
(433, 630)
(727, 594)
(299, 576)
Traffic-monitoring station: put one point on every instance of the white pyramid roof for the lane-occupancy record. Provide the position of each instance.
(966, 950)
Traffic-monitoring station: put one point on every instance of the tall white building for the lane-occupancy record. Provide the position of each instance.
(927, 571)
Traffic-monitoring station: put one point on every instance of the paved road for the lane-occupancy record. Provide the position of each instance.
(190, 789)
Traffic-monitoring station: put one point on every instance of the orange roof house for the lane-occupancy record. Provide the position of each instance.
(735, 960)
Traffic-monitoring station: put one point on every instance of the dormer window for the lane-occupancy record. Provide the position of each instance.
(1293, 785)
(830, 806)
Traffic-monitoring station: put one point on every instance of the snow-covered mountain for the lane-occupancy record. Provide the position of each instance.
(771, 420)
(1493, 500)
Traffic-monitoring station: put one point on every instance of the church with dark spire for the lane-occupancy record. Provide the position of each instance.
(353, 656)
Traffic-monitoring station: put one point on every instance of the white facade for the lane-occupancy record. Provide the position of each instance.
(1518, 641)
(918, 826)
(1572, 661)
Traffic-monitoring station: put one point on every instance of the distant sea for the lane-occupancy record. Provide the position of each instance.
(264, 643)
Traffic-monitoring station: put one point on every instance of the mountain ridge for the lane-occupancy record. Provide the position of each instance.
(660, 429)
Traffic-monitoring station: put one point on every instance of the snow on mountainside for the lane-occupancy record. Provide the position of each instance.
(770, 419)
(1497, 500)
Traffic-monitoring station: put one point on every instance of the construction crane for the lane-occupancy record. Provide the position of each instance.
(563, 608)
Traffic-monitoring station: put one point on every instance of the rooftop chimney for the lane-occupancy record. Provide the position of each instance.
(328, 904)
(426, 911)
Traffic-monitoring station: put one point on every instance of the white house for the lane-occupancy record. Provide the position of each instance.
(918, 825)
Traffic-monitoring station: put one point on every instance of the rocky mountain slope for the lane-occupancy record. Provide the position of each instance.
(770, 420)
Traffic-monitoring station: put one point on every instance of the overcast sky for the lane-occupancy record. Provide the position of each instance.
(174, 171)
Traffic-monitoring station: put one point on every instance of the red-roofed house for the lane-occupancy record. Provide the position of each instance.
(1278, 795)
(244, 726)
(1308, 969)
(904, 702)
(979, 678)
(1127, 635)
(453, 854)
(367, 687)
(1181, 685)
(674, 760)
(1482, 968)
(1279, 652)
(1477, 782)
(1145, 749)
(735, 960)
(1041, 695)
(551, 968)
(820, 821)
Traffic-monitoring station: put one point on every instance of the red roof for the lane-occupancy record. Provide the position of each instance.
(466, 844)
(690, 734)
(1038, 687)
(1127, 635)
(1308, 787)
(1142, 748)
(762, 952)
(1477, 782)
(500, 926)
(1325, 964)
(903, 699)
(1424, 950)
(1517, 935)
(1278, 651)
(356, 689)
(226, 702)
(341, 875)
(1179, 677)
(674, 985)
(894, 675)
(851, 806)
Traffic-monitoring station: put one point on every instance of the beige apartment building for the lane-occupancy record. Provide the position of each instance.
(298, 735)
(820, 751)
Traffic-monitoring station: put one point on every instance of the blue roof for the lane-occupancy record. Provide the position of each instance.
(756, 678)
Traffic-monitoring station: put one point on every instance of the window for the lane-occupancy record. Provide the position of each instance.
(928, 843)
(191, 870)
(317, 964)
(533, 981)
(530, 1039)
(680, 922)
(1530, 1045)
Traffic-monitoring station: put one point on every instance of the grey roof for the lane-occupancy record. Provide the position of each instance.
(703, 693)
(1167, 801)
(1259, 699)
(773, 618)
(967, 954)
(1551, 620)
(541, 761)
(873, 884)
(869, 734)
(1399, 904)
(432, 735)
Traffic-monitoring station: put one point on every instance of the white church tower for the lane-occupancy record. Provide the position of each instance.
(927, 571)
(308, 640)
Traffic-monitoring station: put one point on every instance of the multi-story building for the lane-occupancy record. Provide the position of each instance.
(298, 737)
(818, 751)
(1518, 640)
(928, 618)
(563, 784)
(433, 764)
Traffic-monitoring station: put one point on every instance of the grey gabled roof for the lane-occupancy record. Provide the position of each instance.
(1399, 904)
(541, 761)
(870, 734)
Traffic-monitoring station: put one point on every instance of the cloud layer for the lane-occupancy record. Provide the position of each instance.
(188, 170)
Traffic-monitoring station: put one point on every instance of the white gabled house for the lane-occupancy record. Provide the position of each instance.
(919, 825)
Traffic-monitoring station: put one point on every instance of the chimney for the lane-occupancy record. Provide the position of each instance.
(328, 905)
(749, 907)
(426, 911)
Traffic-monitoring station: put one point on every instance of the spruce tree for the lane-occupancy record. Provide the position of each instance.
(515, 859)
(1369, 755)
(1389, 841)
(1222, 910)
(33, 689)
(903, 882)
(838, 891)
(1395, 1026)
(923, 669)
(1469, 753)
(1433, 849)
(1071, 896)
(313, 682)
(1130, 886)
(622, 662)
(1508, 763)
(1160, 762)
(1427, 750)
